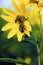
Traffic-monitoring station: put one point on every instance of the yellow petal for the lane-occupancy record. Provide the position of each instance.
(27, 25)
(28, 8)
(8, 18)
(28, 28)
(34, 18)
(8, 26)
(19, 36)
(22, 1)
(16, 8)
(41, 1)
(40, 4)
(12, 33)
(40, 8)
(27, 32)
(31, 7)
(9, 12)
(23, 9)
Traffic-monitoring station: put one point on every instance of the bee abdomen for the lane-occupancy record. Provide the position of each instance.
(21, 28)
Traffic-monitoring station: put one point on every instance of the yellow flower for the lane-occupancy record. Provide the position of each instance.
(33, 14)
(38, 7)
(17, 21)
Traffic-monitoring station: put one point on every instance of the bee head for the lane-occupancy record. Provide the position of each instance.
(20, 19)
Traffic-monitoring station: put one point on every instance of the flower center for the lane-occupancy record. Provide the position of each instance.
(20, 19)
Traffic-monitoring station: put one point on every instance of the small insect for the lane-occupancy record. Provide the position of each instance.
(22, 28)
(20, 19)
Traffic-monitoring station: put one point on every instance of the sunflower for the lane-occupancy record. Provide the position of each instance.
(17, 21)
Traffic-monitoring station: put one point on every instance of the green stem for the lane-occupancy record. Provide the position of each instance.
(38, 50)
(12, 61)
(40, 22)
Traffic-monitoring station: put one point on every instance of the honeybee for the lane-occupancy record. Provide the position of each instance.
(20, 19)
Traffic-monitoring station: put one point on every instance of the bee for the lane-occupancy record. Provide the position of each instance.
(20, 19)
(22, 28)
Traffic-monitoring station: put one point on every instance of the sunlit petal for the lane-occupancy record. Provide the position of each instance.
(31, 8)
(22, 1)
(23, 9)
(19, 36)
(27, 32)
(9, 12)
(16, 8)
(27, 25)
(34, 18)
(8, 26)
(8, 18)
(12, 33)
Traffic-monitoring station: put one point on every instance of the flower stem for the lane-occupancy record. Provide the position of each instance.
(38, 50)
(12, 61)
